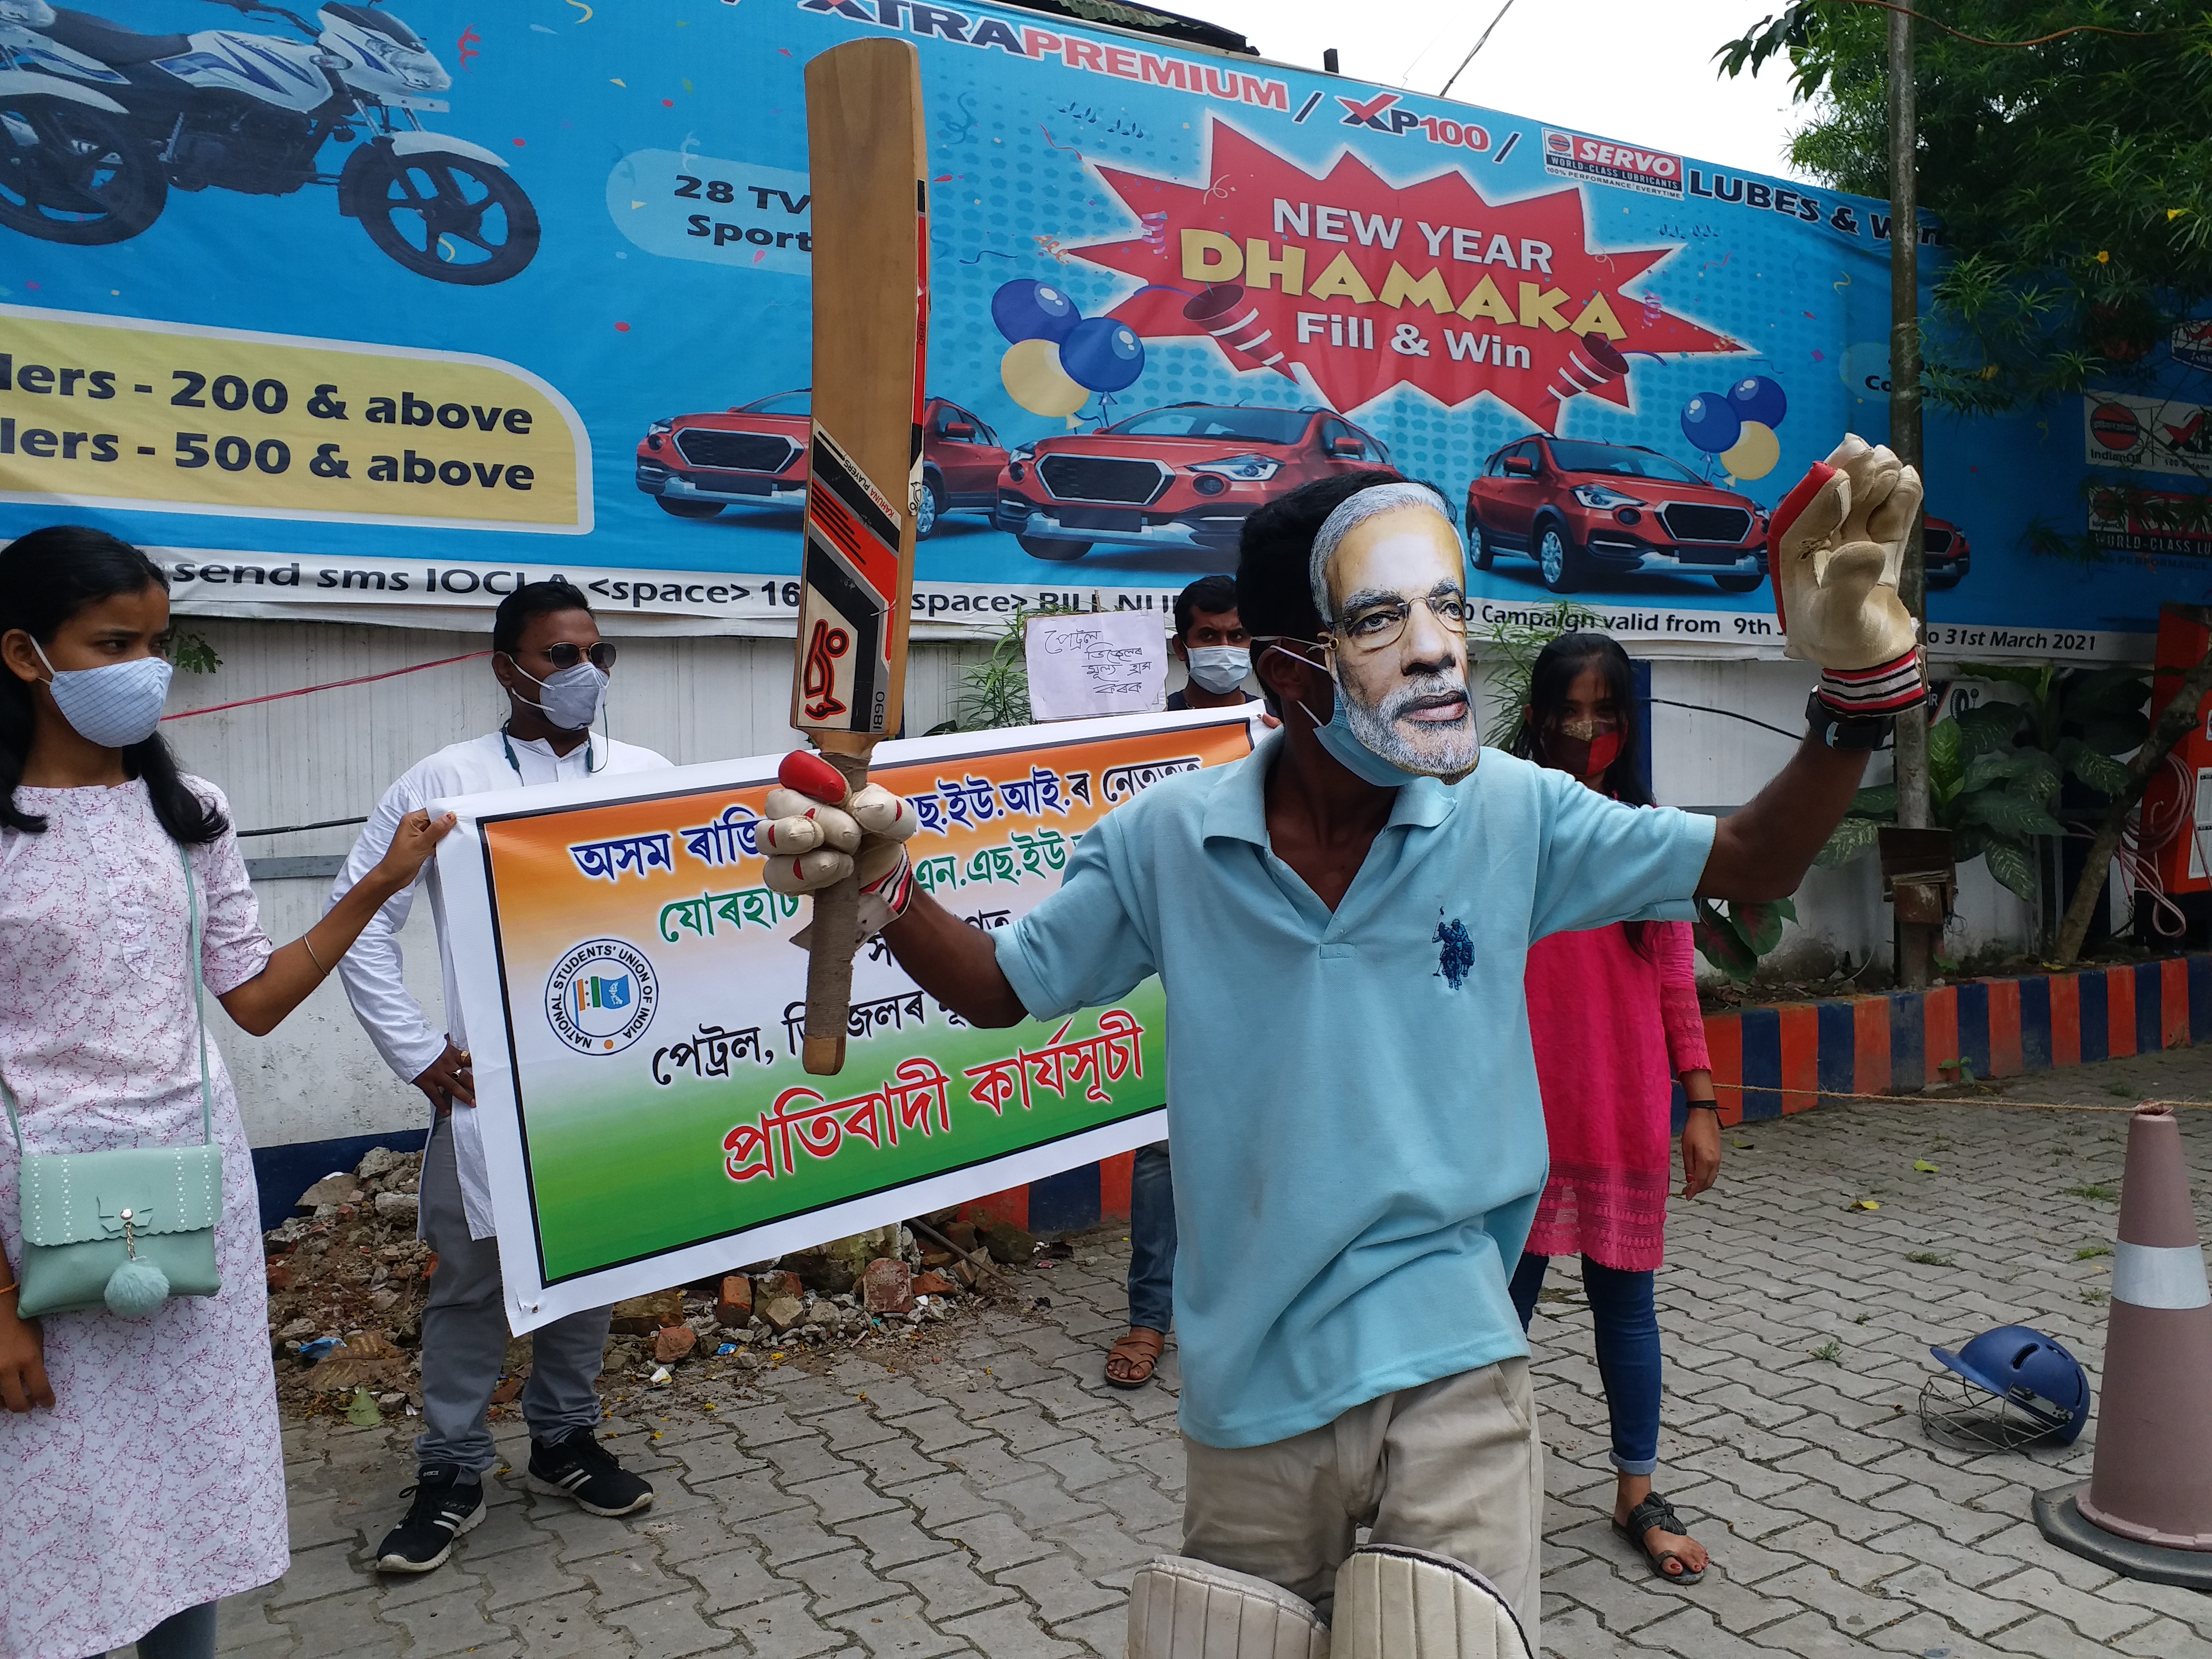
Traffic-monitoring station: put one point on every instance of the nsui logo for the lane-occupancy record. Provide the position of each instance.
(601, 996)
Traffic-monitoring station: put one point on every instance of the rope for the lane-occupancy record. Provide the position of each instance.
(329, 685)
(298, 829)
(1953, 1100)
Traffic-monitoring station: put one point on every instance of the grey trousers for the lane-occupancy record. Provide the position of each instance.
(1453, 1466)
(465, 1336)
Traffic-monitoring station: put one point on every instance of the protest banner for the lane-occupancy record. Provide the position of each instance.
(1088, 663)
(636, 1009)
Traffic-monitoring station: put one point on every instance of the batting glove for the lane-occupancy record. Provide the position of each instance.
(818, 833)
(1835, 547)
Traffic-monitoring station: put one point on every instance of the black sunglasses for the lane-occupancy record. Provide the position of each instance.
(564, 655)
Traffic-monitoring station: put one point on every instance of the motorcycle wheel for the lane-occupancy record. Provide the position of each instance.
(448, 217)
(75, 175)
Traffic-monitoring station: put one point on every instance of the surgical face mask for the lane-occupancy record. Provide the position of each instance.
(1584, 747)
(115, 705)
(1219, 668)
(572, 699)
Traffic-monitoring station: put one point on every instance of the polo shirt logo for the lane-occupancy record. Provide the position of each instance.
(1456, 954)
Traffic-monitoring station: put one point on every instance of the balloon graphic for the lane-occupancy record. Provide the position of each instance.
(1758, 398)
(1709, 423)
(1035, 379)
(1030, 310)
(1103, 353)
(1754, 455)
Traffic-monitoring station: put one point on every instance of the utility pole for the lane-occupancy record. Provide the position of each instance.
(1915, 943)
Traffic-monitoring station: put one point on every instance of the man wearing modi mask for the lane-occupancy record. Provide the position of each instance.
(1356, 1170)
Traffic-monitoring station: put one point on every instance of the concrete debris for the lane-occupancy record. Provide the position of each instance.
(348, 1280)
(641, 1315)
(887, 1286)
(735, 1307)
(340, 1188)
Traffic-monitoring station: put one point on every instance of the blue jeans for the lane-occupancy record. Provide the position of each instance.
(1151, 1239)
(1627, 1351)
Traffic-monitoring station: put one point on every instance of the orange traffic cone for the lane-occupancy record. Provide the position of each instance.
(2147, 1509)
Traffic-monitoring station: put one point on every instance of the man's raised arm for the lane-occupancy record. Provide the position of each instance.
(1834, 547)
(1762, 851)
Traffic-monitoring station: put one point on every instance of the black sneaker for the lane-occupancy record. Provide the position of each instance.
(448, 1501)
(576, 1465)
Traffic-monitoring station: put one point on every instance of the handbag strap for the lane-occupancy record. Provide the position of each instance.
(199, 1015)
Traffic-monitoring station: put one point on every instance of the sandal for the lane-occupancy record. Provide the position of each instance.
(1655, 1511)
(1139, 1353)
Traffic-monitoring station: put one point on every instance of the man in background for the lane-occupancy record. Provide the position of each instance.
(548, 656)
(1211, 643)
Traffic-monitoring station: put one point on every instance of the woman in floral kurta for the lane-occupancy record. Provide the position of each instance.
(141, 1476)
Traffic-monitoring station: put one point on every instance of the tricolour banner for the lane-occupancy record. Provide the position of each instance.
(635, 1006)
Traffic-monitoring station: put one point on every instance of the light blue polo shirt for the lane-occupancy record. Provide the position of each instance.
(1358, 1141)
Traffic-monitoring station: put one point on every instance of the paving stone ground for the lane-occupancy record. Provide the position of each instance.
(996, 1503)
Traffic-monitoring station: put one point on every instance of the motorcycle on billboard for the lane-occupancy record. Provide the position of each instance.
(99, 122)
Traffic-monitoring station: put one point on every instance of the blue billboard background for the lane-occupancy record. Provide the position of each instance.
(1593, 292)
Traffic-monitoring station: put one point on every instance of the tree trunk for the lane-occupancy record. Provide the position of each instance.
(1915, 943)
(2173, 722)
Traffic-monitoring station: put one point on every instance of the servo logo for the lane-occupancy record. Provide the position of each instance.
(601, 996)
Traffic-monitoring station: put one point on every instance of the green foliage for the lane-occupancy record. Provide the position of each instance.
(1995, 771)
(1514, 648)
(193, 653)
(995, 692)
(1734, 940)
(2073, 177)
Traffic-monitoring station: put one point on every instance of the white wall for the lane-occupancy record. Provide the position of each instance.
(304, 760)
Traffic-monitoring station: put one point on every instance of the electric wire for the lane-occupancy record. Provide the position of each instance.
(1478, 47)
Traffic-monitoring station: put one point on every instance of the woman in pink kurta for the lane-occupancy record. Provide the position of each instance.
(1613, 1017)
(141, 1475)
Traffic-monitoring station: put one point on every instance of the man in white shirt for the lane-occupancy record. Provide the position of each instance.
(550, 659)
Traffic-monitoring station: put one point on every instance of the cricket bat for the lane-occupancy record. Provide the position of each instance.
(871, 226)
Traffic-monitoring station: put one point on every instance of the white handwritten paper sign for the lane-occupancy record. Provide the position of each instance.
(1105, 662)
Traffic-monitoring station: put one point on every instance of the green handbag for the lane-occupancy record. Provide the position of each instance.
(124, 1229)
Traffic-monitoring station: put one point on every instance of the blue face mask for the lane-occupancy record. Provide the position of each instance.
(115, 705)
(1355, 756)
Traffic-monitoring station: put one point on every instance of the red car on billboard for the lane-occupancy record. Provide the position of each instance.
(1586, 511)
(1947, 556)
(755, 455)
(1184, 476)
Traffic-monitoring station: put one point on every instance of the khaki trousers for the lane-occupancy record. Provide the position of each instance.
(1453, 1466)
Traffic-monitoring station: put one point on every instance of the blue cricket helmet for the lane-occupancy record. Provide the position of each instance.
(2028, 1372)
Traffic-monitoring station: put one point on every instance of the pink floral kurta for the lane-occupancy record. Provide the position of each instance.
(157, 1481)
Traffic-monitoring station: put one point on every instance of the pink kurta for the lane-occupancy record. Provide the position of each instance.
(157, 1480)
(1612, 1027)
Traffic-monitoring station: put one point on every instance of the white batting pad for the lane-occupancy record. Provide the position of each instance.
(1180, 1608)
(1395, 1603)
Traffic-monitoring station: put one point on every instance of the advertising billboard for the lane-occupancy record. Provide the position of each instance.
(369, 307)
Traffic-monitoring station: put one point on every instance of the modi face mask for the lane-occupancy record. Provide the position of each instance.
(1388, 579)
